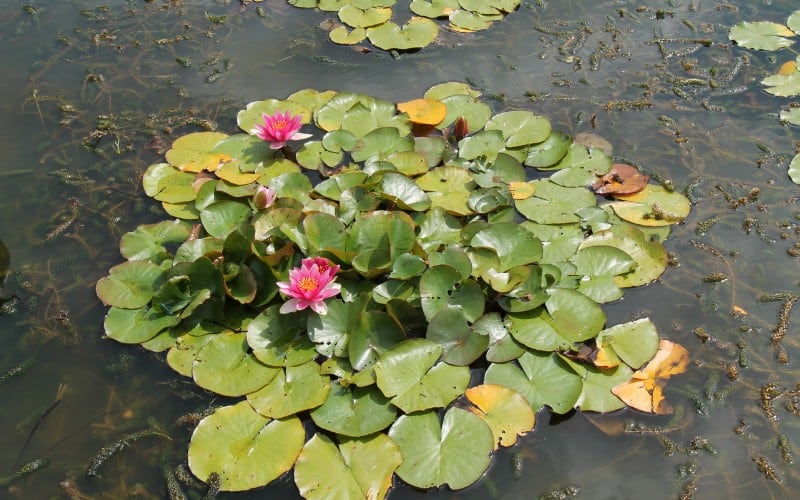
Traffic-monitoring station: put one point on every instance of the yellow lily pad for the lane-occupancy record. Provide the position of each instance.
(193, 152)
(230, 172)
(506, 411)
(652, 206)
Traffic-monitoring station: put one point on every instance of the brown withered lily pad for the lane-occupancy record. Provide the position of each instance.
(621, 179)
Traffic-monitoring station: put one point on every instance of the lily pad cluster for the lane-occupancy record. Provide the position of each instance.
(474, 257)
(767, 35)
(376, 20)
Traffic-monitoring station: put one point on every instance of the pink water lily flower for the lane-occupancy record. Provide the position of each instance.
(279, 128)
(264, 197)
(309, 286)
(323, 264)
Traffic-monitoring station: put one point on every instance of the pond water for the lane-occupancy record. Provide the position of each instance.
(93, 90)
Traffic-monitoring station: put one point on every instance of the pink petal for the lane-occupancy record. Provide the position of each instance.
(319, 307)
(290, 306)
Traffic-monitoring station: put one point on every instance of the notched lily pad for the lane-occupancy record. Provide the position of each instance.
(456, 451)
(245, 449)
(416, 33)
(652, 206)
(761, 35)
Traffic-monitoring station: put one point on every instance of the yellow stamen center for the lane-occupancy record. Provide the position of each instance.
(279, 124)
(307, 284)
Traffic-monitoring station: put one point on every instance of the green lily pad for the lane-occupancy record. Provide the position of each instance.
(454, 257)
(783, 85)
(581, 166)
(332, 5)
(244, 448)
(354, 411)
(416, 33)
(313, 155)
(364, 18)
(542, 378)
(794, 169)
(469, 21)
(793, 21)
(554, 204)
(443, 285)
(134, 326)
(373, 334)
(761, 35)
(153, 175)
(293, 185)
(442, 90)
(147, 242)
(635, 342)
(548, 152)
(574, 316)
(380, 143)
(249, 151)
(514, 245)
(329, 117)
(534, 329)
(225, 366)
(181, 357)
(342, 36)
(475, 112)
(330, 332)
(433, 8)
(279, 339)
(223, 217)
(437, 228)
(407, 266)
(502, 346)
(129, 285)
(448, 187)
(449, 328)
(596, 394)
(378, 238)
(790, 115)
(598, 265)
(486, 144)
(294, 389)
(455, 452)
(357, 468)
(404, 192)
(409, 374)
(650, 257)
(520, 128)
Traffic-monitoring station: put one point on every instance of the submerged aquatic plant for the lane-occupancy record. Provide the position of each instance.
(309, 286)
(279, 128)
(405, 269)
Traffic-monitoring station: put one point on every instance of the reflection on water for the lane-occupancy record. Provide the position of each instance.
(95, 90)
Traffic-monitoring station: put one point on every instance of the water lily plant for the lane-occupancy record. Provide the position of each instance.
(279, 128)
(422, 254)
(309, 285)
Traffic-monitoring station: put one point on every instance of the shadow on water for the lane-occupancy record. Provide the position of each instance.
(94, 92)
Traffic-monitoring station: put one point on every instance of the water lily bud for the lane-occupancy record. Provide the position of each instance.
(461, 128)
(264, 197)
